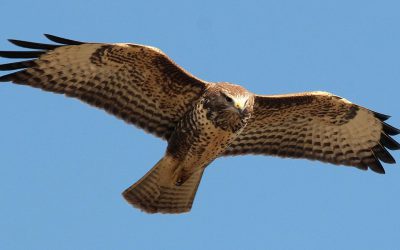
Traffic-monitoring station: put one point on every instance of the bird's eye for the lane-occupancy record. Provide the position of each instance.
(228, 99)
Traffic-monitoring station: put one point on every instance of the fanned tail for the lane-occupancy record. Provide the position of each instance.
(156, 192)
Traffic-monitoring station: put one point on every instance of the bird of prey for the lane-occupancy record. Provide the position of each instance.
(200, 120)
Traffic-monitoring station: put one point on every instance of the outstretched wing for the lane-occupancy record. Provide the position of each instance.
(317, 126)
(136, 83)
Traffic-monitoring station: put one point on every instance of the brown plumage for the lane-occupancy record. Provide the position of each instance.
(200, 120)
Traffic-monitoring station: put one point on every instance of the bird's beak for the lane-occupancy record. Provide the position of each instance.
(240, 105)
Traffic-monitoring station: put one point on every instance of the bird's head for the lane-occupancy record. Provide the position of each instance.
(229, 104)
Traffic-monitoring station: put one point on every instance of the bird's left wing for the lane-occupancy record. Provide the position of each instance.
(136, 83)
(317, 126)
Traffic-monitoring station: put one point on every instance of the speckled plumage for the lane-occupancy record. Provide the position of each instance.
(200, 120)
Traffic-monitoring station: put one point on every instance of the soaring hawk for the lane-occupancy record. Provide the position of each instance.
(200, 120)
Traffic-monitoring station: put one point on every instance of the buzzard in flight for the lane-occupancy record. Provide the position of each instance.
(200, 120)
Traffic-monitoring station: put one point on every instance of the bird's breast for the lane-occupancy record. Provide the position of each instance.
(197, 140)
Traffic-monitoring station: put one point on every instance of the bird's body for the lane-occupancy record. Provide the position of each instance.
(200, 120)
(196, 142)
(198, 139)
(203, 133)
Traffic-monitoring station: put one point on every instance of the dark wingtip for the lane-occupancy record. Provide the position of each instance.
(362, 166)
(33, 45)
(17, 65)
(16, 77)
(382, 154)
(61, 40)
(6, 78)
(376, 166)
(389, 142)
(380, 116)
(21, 54)
(390, 130)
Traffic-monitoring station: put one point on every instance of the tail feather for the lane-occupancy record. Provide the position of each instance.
(156, 192)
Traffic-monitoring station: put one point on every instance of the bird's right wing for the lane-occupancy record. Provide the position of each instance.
(317, 126)
(136, 83)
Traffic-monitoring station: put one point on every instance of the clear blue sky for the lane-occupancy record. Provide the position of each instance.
(64, 164)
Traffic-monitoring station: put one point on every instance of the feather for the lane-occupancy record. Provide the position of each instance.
(61, 40)
(389, 129)
(32, 45)
(375, 165)
(383, 154)
(17, 65)
(389, 142)
(21, 54)
(8, 77)
(380, 116)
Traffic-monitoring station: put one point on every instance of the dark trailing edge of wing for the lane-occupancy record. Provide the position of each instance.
(41, 48)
